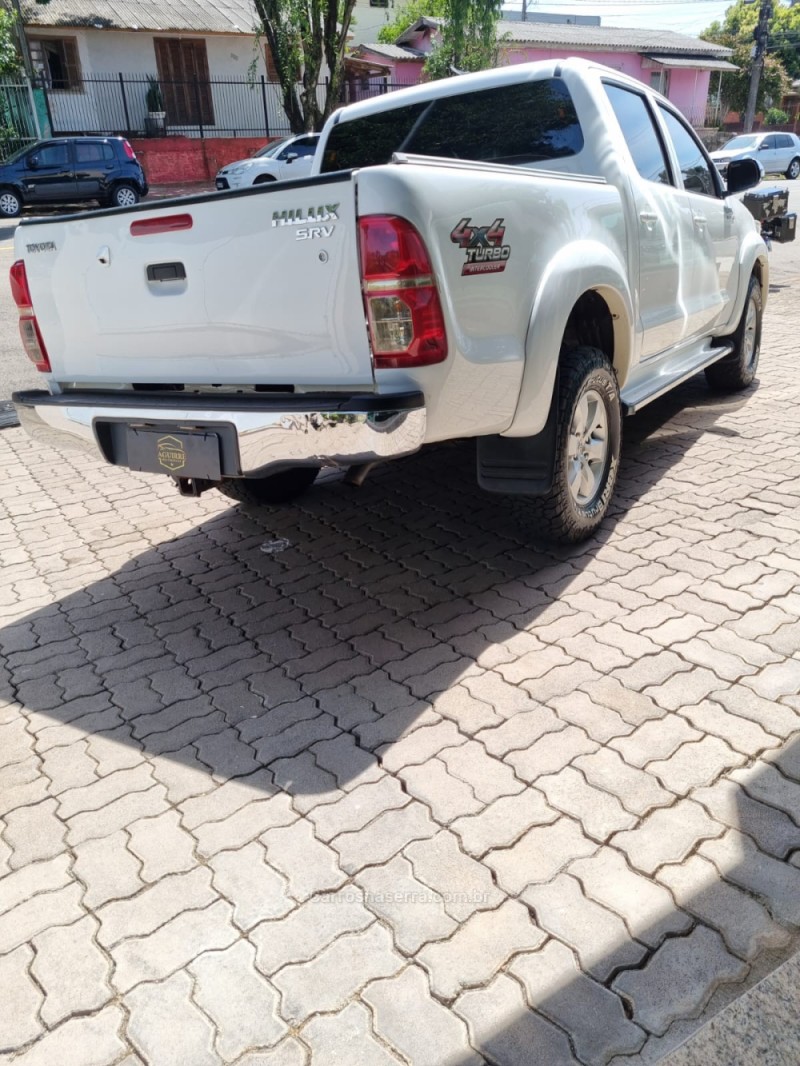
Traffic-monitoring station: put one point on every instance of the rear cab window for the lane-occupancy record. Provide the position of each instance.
(521, 124)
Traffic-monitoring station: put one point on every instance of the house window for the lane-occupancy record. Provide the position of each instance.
(183, 76)
(55, 60)
(659, 80)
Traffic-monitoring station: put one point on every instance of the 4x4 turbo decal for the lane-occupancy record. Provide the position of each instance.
(486, 253)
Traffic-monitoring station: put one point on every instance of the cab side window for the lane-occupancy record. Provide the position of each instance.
(695, 168)
(639, 133)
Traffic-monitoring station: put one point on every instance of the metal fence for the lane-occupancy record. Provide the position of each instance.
(17, 119)
(196, 107)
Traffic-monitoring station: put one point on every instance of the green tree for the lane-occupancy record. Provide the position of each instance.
(302, 35)
(784, 38)
(9, 56)
(468, 40)
(408, 14)
(736, 32)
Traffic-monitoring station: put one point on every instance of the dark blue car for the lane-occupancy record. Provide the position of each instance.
(67, 170)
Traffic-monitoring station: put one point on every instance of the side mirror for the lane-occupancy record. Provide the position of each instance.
(743, 174)
(290, 158)
(764, 147)
(33, 161)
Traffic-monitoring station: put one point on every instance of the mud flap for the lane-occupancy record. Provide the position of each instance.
(520, 466)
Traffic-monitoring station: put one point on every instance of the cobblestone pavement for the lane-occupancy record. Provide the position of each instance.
(378, 779)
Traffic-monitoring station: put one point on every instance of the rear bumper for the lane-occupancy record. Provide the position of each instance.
(257, 436)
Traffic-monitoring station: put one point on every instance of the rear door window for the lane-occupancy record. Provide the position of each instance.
(639, 133)
(525, 123)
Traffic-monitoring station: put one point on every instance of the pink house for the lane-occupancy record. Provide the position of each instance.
(677, 65)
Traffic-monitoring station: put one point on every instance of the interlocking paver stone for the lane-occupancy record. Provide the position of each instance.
(89, 825)
(20, 885)
(465, 885)
(226, 799)
(328, 981)
(695, 764)
(437, 1035)
(447, 796)
(503, 822)
(148, 910)
(551, 753)
(256, 891)
(308, 865)
(309, 929)
(744, 924)
(591, 1014)
(166, 1026)
(417, 747)
(772, 830)
(519, 731)
(646, 908)
(679, 979)
(240, 1002)
(181, 939)
(598, 935)
(72, 970)
(162, 845)
(414, 912)
(288, 1053)
(739, 860)
(21, 1000)
(539, 854)
(244, 824)
(480, 947)
(91, 1041)
(655, 740)
(744, 735)
(599, 722)
(667, 834)
(505, 1031)
(599, 812)
(337, 1038)
(359, 807)
(489, 778)
(763, 782)
(383, 837)
(38, 913)
(637, 790)
(349, 764)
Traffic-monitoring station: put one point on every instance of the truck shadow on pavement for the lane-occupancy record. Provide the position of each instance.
(410, 627)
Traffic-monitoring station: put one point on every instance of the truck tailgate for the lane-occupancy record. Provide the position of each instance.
(253, 288)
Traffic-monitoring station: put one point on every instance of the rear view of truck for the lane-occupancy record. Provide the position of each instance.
(219, 340)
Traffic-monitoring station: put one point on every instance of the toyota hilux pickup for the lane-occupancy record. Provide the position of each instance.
(521, 256)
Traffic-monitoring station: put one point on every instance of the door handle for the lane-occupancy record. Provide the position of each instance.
(649, 218)
(700, 221)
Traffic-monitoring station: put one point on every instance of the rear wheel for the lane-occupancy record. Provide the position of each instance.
(738, 370)
(124, 195)
(794, 168)
(10, 203)
(588, 438)
(282, 487)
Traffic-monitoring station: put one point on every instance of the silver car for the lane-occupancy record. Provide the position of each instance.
(777, 153)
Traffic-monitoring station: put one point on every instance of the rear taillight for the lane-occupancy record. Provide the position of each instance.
(128, 150)
(406, 323)
(28, 326)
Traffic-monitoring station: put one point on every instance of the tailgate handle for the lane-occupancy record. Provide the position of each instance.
(166, 272)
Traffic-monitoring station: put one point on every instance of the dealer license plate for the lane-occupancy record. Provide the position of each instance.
(178, 453)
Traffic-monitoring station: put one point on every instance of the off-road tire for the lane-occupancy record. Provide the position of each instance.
(738, 370)
(282, 487)
(559, 515)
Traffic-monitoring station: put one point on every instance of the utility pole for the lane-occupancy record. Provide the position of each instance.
(761, 33)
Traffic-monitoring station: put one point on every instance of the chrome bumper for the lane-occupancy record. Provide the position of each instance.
(258, 434)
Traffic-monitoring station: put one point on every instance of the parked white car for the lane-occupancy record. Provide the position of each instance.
(289, 158)
(776, 153)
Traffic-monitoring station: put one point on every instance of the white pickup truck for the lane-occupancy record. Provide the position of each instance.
(521, 256)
